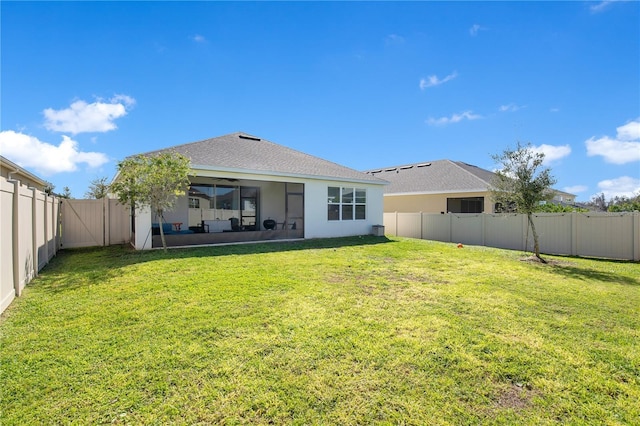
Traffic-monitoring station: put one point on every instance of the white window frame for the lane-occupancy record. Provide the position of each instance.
(346, 199)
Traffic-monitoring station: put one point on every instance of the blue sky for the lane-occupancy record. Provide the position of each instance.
(362, 84)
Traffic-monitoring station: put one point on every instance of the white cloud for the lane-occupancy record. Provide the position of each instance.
(199, 38)
(455, 118)
(623, 186)
(474, 29)
(552, 153)
(630, 131)
(510, 107)
(82, 117)
(433, 80)
(554, 109)
(27, 151)
(602, 6)
(576, 189)
(625, 148)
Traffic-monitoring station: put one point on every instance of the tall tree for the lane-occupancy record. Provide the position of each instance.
(98, 188)
(154, 181)
(522, 182)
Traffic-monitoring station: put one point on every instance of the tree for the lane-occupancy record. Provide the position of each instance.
(66, 193)
(154, 181)
(624, 204)
(616, 203)
(521, 182)
(98, 188)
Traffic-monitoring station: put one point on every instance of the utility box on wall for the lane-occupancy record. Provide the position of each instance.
(377, 230)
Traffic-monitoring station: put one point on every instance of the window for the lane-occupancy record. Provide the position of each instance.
(346, 203)
(194, 203)
(465, 205)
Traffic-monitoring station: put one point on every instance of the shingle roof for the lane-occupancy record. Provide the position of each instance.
(440, 176)
(242, 152)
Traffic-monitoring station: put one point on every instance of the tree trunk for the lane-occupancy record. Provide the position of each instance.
(536, 244)
(161, 218)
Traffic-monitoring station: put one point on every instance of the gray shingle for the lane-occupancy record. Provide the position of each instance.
(440, 176)
(243, 152)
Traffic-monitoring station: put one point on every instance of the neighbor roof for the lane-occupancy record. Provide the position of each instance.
(434, 177)
(9, 168)
(243, 152)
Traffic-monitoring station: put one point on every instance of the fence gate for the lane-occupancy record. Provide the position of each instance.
(87, 223)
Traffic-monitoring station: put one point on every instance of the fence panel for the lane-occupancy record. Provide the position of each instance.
(410, 225)
(7, 289)
(82, 223)
(88, 223)
(119, 223)
(467, 229)
(555, 232)
(24, 256)
(436, 227)
(604, 235)
(28, 236)
(608, 235)
(389, 221)
(505, 231)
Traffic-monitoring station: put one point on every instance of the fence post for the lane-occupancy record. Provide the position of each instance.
(574, 233)
(45, 219)
(484, 227)
(635, 228)
(396, 230)
(16, 237)
(106, 225)
(34, 231)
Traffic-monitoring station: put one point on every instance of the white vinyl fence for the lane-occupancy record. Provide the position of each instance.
(603, 235)
(29, 236)
(34, 226)
(88, 223)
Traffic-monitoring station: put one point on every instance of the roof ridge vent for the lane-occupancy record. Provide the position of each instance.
(424, 165)
(390, 169)
(251, 138)
(406, 167)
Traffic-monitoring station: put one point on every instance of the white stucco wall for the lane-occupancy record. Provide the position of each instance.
(143, 229)
(317, 224)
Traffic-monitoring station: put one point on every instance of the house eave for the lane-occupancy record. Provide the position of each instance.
(457, 191)
(198, 167)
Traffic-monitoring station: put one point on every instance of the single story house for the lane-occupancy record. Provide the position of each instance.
(11, 171)
(245, 188)
(442, 186)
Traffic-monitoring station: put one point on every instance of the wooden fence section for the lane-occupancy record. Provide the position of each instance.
(29, 236)
(604, 235)
(87, 223)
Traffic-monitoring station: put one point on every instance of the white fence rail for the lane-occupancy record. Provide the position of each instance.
(29, 236)
(604, 235)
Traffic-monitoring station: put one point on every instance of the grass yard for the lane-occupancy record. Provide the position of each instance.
(339, 331)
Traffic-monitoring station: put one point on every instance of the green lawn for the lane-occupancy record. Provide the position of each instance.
(338, 331)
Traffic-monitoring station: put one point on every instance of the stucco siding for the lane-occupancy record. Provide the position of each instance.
(319, 226)
(429, 203)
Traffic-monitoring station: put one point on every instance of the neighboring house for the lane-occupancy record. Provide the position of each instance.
(11, 171)
(244, 188)
(564, 198)
(442, 186)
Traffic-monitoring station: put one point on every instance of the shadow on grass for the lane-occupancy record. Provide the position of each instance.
(579, 273)
(72, 268)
